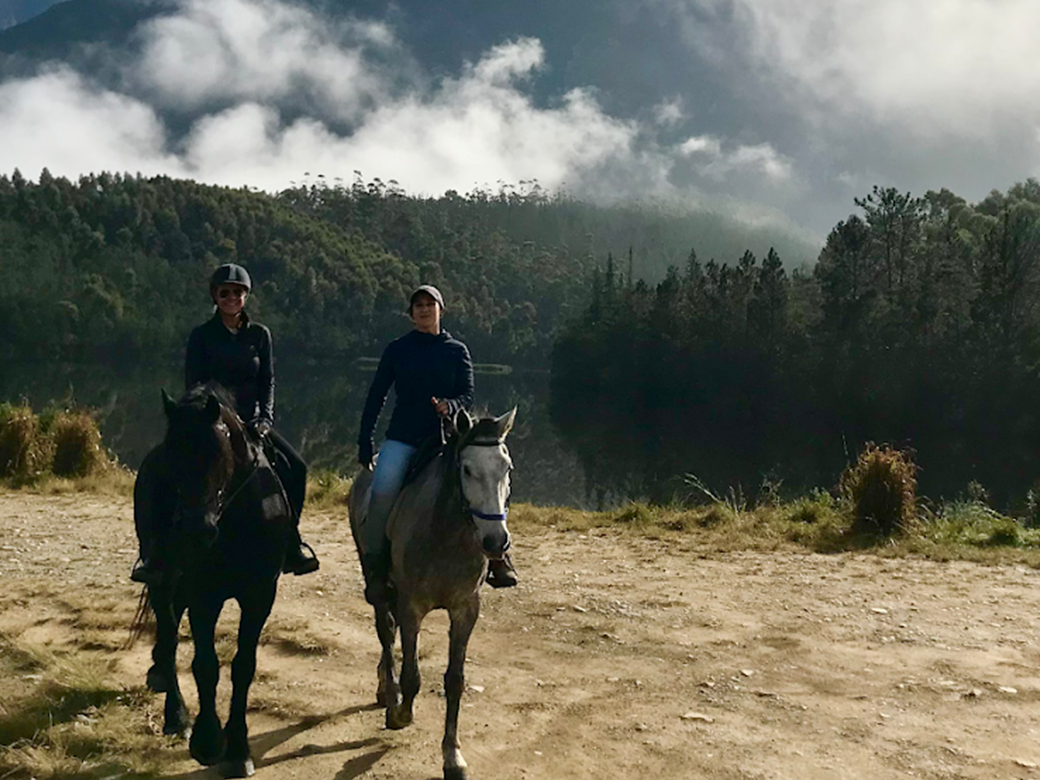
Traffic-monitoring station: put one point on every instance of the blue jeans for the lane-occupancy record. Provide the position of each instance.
(391, 467)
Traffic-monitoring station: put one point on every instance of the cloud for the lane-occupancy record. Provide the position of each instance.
(669, 112)
(945, 67)
(220, 51)
(468, 131)
(257, 92)
(717, 162)
(57, 121)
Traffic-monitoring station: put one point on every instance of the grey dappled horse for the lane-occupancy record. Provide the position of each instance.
(443, 527)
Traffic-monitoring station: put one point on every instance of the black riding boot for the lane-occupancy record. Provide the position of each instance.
(376, 567)
(149, 570)
(299, 556)
(501, 573)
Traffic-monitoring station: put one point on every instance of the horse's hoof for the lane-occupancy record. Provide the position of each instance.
(455, 773)
(208, 752)
(398, 718)
(178, 726)
(157, 680)
(237, 768)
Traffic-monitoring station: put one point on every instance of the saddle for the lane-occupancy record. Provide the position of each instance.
(431, 449)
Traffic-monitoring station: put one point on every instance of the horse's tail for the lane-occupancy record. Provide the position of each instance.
(142, 619)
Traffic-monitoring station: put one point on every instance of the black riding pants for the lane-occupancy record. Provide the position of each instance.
(292, 471)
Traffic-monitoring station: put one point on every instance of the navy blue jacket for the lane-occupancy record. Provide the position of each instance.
(420, 366)
(242, 362)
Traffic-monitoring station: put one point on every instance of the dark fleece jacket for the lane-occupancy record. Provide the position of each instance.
(420, 366)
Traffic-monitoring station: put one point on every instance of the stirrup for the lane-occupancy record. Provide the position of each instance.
(297, 563)
(146, 573)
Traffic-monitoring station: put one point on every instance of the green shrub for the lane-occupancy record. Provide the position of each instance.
(1032, 518)
(77, 445)
(881, 491)
(19, 447)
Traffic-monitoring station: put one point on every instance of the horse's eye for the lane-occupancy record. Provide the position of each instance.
(467, 471)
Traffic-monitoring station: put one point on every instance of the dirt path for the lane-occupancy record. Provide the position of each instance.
(615, 658)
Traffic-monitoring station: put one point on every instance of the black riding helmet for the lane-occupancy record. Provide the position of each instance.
(231, 273)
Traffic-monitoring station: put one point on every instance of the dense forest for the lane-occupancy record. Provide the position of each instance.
(123, 262)
(676, 356)
(918, 327)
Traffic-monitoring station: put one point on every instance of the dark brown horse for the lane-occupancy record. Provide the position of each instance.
(213, 492)
(443, 528)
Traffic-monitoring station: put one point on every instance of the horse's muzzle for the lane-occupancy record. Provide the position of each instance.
(497, 545)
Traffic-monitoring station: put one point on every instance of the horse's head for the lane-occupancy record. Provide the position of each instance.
(201, 460)
(484, 466)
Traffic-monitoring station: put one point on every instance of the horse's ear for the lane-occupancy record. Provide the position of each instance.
(169, 405)
(463, 422)
(213, 408)
(505, 423)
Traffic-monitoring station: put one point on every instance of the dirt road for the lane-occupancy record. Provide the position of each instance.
(615, 658)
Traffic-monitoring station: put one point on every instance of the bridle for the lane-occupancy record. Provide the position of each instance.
(499, 517)
(223, 504)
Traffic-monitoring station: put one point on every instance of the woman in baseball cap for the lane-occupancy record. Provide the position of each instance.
(432, 376)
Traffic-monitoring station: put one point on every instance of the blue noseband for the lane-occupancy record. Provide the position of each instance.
(499, 517)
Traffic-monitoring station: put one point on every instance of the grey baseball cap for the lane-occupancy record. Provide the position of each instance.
(430, 290)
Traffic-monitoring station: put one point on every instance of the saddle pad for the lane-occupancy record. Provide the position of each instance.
(273, 503)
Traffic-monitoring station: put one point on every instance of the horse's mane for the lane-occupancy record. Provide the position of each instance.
(198, 396)
(484, 429)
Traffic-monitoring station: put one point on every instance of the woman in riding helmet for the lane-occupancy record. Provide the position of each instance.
(236, 352)
(432, 376)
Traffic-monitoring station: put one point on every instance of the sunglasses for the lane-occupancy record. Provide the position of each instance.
(236, 292)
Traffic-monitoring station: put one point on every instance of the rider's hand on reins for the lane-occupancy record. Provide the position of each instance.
(441, 406)
(261, 428)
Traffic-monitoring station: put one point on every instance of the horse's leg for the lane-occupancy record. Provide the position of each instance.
(162, 676)
(207, 738)
(400, 715)
(255, 610)
(462, 622)
(388, 694)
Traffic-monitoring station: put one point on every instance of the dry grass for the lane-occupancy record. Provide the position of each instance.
(61, 716)
(112, 480)
(327, 489)
(22, 450)
(881, 491)
(76, 445)
(294, 636)
(57, 452)
(968, 531)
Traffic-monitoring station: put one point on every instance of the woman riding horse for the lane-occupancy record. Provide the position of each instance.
(236, 352)
(432, 374)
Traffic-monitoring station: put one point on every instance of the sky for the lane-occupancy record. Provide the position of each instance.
(773, 111)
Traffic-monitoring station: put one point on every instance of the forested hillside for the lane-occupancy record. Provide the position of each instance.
(116, 266)
(919, 326)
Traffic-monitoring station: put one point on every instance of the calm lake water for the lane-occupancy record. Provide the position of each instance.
(318, 408)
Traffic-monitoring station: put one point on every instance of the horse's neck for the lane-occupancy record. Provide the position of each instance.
(240, 445)
(449, 517)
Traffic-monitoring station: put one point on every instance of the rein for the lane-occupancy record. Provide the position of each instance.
(225, 504)
(499, 517)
